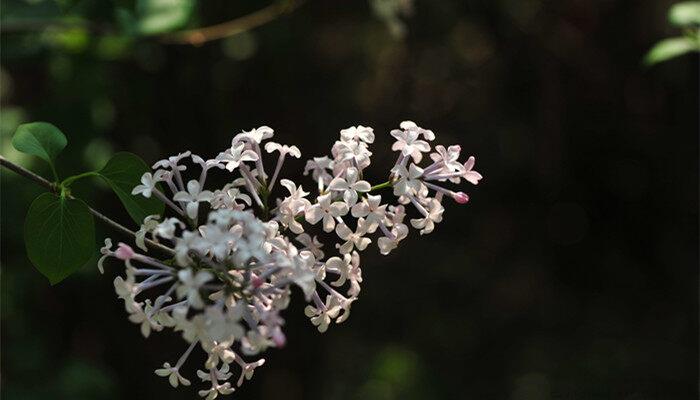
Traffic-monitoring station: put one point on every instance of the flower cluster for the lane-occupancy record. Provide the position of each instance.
(233, 255)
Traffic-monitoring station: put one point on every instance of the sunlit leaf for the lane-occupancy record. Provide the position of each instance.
(685, 13)
(669, 48)
(40, 139)
(122, 173)
(59, 233)
(160, 16)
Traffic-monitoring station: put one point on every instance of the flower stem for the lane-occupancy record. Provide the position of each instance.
(56, 189)
(381, 186)
(68, 181)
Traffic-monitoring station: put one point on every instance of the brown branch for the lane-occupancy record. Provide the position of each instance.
(199, 36)
(54, 188)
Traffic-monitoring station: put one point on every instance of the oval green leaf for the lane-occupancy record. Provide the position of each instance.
(41, 139)
(59, 234)
(669, 48)
(122, 173)
(684, 14)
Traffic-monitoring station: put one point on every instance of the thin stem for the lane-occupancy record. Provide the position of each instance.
(199, 36)
(278, 167)
(68, 181)
(187, 354)
(381, 186)
(167, 201)
(53, 188)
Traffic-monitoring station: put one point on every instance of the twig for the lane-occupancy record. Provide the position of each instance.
(53, 188)
(199, 36)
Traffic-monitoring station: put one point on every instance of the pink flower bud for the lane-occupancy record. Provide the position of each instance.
(278, 337)
(257, 281)
(461, 197)
(124, 252)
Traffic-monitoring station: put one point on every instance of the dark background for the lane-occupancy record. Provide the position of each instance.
(572, 273)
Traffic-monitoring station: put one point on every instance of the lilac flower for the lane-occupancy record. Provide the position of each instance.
(371, 210)
(353, 239)
(193, 196)
(433, 216)
(227, 280)
(357, 133)
(311, 244)
(236, 155)
(408, 182)
(173, 375)
(148, 183)
(256, 135)
(326, 211)
(191, 283)
(408, 144)
(470, 175)
(350, 186)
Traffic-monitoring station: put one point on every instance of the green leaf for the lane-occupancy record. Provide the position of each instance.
(40, 139)
(122, 173)
(669, 48)
(685, 14)
(59, 233)
(160, 16)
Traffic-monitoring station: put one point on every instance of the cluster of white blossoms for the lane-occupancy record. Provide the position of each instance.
(233, 254)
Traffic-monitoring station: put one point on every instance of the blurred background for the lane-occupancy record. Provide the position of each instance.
(571, 274)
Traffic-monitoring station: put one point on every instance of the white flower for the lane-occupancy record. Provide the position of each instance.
(293, 205)
(219, 351)
(222, 325)
(139, 316)
(166, 229)
(411, 126)
(427, 224)
(127, 290)
(248, 369)
(347, 268)
(172, 162)
(106, 251)
(148, 183)
(395, 215)
(149, 224)
(173, 375)
(255, 342)
(190, 285)
(229, 278)
(207, 164)
(321, 317)
(409, 182)
(319, 167)
(283, 149)
(215, 390)
(354, 153)
(301, 273)
(237, 154)
(371, 210)
(353, 239)
(408, 144)
(350, 186)
(356, 133)
(256, 135)
(469, 174)
(229, 197)
(388, 243)
(193, 196)
(326, 211)
(311, 244)
(221, 374)
(448, 160)
(216, 242)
